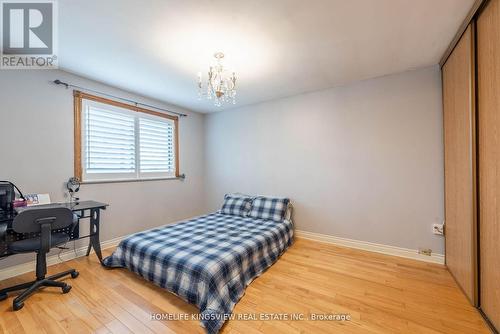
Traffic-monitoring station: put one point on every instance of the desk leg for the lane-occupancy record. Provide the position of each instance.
(94, 231)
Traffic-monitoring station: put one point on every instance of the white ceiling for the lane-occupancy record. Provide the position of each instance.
(277, 47)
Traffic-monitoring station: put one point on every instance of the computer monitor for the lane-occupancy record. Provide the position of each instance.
(7, 196)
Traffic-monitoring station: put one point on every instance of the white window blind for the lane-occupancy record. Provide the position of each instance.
(156, 139)
(109, 142)
(118, 143)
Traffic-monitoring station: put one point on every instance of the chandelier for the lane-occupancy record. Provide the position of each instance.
(220, 85)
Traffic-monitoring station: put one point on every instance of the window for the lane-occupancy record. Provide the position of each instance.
(117, 141)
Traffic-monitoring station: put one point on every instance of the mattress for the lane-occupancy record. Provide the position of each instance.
(208, 261)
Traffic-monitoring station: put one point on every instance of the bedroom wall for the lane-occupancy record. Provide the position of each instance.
(36, 141)
(362, 161)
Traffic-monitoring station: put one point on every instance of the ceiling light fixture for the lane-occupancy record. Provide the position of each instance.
(220, 85)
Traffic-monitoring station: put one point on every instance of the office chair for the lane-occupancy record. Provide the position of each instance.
(42, 221)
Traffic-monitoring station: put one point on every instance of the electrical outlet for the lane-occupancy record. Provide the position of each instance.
(438, 229)
(425, 251)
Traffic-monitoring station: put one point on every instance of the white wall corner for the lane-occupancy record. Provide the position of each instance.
(371, 247)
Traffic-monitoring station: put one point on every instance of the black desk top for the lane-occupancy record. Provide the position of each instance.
(85, 205)
(82, 205)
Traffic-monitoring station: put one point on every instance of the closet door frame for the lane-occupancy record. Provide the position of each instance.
(481, 10)
(471, 289)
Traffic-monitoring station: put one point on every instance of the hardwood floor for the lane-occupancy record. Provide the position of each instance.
(382, 294)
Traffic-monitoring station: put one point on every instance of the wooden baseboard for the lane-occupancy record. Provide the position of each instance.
(26, 267)
(371, 247)
(66, 255)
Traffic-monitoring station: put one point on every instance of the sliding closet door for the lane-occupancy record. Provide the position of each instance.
(488, 58)
(459, 139)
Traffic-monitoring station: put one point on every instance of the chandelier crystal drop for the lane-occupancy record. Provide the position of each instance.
(220, 84)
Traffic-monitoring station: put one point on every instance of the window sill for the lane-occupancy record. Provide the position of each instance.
(180, 177)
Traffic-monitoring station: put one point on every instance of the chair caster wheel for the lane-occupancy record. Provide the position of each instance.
(3, 296)
(17, 306)
(75, 274)
(66, 288)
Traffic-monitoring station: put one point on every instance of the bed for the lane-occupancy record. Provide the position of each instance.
(208, 261)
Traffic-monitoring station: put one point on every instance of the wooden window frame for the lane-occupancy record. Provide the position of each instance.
(78, 98)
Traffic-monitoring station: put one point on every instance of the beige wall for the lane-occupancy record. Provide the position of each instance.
(362, 161)
(36, 141)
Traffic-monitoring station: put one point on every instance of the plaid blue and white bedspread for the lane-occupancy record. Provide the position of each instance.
(208, 261)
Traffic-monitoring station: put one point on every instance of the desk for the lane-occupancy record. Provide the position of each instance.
(83, 209)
